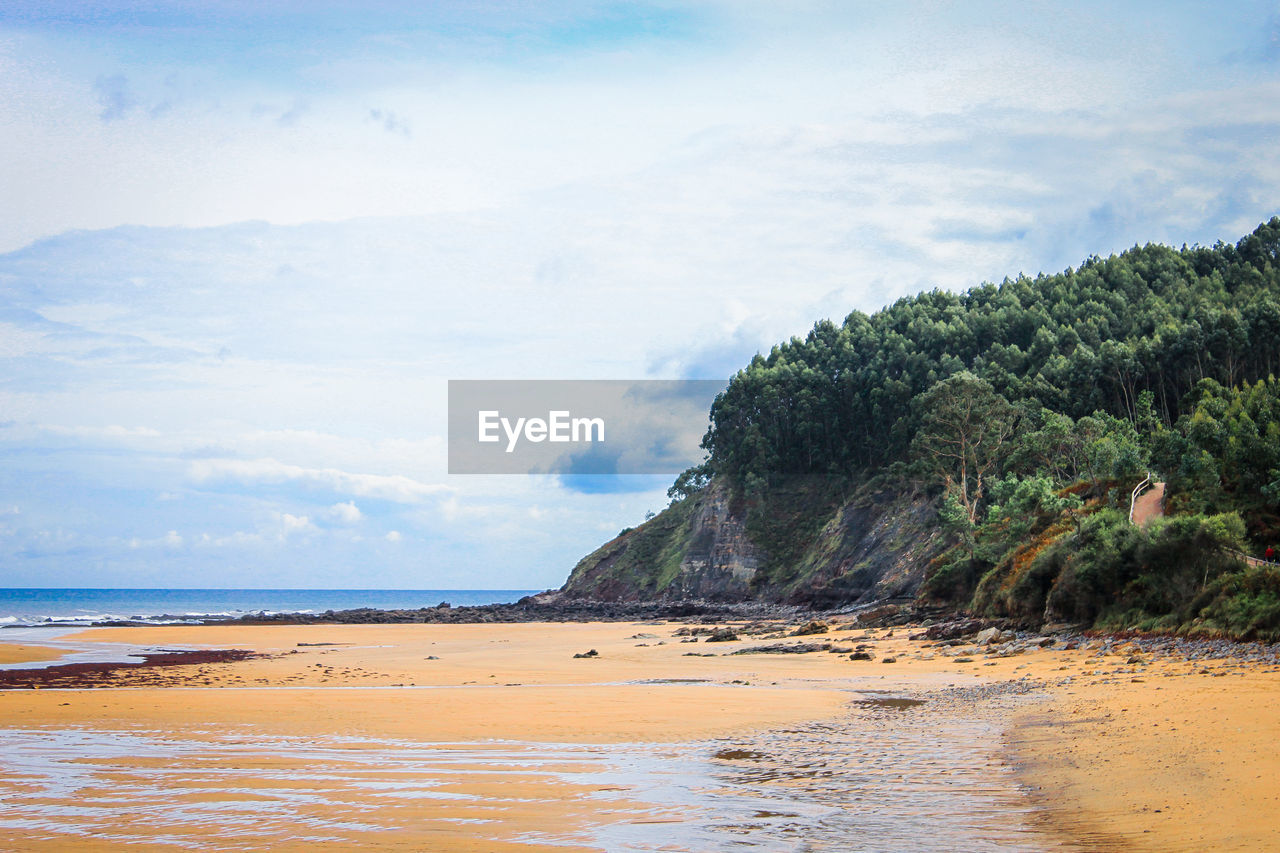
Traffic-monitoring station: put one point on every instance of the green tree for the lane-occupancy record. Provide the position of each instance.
(964, 428)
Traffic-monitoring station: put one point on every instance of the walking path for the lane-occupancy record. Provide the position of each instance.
(1253, 561)
(1149, 505)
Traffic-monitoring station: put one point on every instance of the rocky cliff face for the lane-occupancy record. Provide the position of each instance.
(696, 549)
(870, 550)
(704, 549)
(718, 561)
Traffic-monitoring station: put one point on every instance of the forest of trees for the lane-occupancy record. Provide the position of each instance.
(1029, 409)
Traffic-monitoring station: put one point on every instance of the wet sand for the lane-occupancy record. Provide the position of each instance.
(495, 737)
(26, 654)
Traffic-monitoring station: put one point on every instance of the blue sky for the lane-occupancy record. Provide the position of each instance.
(245, 245)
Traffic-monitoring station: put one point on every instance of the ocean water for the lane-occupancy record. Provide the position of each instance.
(25, 607)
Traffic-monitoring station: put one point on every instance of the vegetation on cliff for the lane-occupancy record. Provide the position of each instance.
(1025, 412)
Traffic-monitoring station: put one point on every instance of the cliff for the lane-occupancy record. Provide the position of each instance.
(1006, 426)
(707, 548)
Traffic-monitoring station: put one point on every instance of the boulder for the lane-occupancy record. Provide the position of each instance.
(988, 637)
(953, 630)
(878, 614)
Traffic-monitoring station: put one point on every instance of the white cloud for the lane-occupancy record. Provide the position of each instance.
(238, 538)
(95, 136)
(393, 536)
(281, 527)
(291, 524)
(111, 431)
(344, 513)
(391, 487)
(172, 540)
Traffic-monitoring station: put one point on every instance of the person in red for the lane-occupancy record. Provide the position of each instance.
(1270, 554)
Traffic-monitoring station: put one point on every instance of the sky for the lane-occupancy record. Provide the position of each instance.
(245, 245)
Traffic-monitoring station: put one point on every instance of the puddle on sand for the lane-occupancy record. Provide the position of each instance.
(248, 792)
(875, 779)
(671, 681)
(897, 773)
(899, 703)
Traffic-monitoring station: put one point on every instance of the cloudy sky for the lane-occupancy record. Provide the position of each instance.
(244, 245)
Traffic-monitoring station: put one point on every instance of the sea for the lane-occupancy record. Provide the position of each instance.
(33, 607)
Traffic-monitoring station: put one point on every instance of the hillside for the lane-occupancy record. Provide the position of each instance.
(977, 450)
(701, 548)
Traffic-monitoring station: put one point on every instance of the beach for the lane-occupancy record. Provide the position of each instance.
(519, 737)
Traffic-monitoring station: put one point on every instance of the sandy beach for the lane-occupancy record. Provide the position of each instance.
(496, 737)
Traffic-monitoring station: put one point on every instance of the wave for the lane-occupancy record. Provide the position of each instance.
(87, 607)
(87, 620)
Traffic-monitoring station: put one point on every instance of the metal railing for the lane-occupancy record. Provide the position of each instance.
(1252, 561)
(1249, 560)
(1137, 490)
(1240, 555)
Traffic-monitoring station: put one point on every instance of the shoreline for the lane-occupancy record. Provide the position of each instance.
(537, 608)
(1093, 772)
(551, 606)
